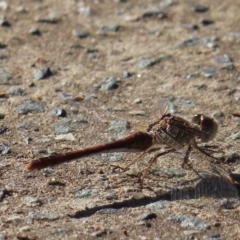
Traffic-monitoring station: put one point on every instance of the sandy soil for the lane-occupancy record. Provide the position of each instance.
(193, 68)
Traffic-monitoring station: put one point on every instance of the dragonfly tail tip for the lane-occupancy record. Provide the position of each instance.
(29, 166)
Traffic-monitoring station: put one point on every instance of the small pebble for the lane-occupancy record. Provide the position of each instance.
(137, 113)
(99, 233)
(3, 192)
(42, 73)
(107, 211)
(227, 204)
(86, 193)
(59, 112)
(79, 98)
(44, 216)
(51, 18)
(4, 5)
(111, 28)
(213, 237)
(218, 114)
(48, 171)
(33, 201)
(165, 4)
(3, 56)
(210, 72)
(25, 125)
(109, 83)
(21, 9)
(205, 22)
(110, 196)
(2, 45)
(237, 95)
(127, 74)
(138, 195)
(54, 182)
(14, 219)
(144, 223)
(28, 106)
(76, 46)
(41, 151)
(234, 35)
(159, 205)
(85, 10)
(31, 84)
(60, 230)
(234, 136)
(80, 33)
(4, 22)
(91, 50)
(224, 61)
(119, 125)
(24, 229)
(65, 96)
(27, 140)
(169, 172)
(149, 14)
(62, 127)
(4, 76)
(193, 41)
(190, 232)
(155, 32)
(35, 31)
(3, 129)
(190, 221)
(65, 137)
(199, 8)
(192, 27)
(3, 94)
(217, 224)
(212, 45)
(149, 62)
(137, 101)
(15, 91)
(193, 75)
(148, 216)
(4, 148)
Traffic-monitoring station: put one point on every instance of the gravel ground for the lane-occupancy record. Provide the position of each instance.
(78, 73)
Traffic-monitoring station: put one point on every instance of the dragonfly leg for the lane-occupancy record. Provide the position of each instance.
(186, 161)
(153, 159)
(194, 144)
(132, 162)
(186, 156)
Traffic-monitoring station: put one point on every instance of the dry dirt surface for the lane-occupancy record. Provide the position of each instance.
(78, 73)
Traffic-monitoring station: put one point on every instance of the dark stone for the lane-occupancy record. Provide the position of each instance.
(148, 216)
(232, 158)
(205, 22)
(59, 112)
(199, 8)
(3, 129)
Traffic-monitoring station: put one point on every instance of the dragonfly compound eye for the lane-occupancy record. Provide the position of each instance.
(207, 126)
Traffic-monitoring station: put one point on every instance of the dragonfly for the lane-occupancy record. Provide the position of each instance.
(176, 133)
